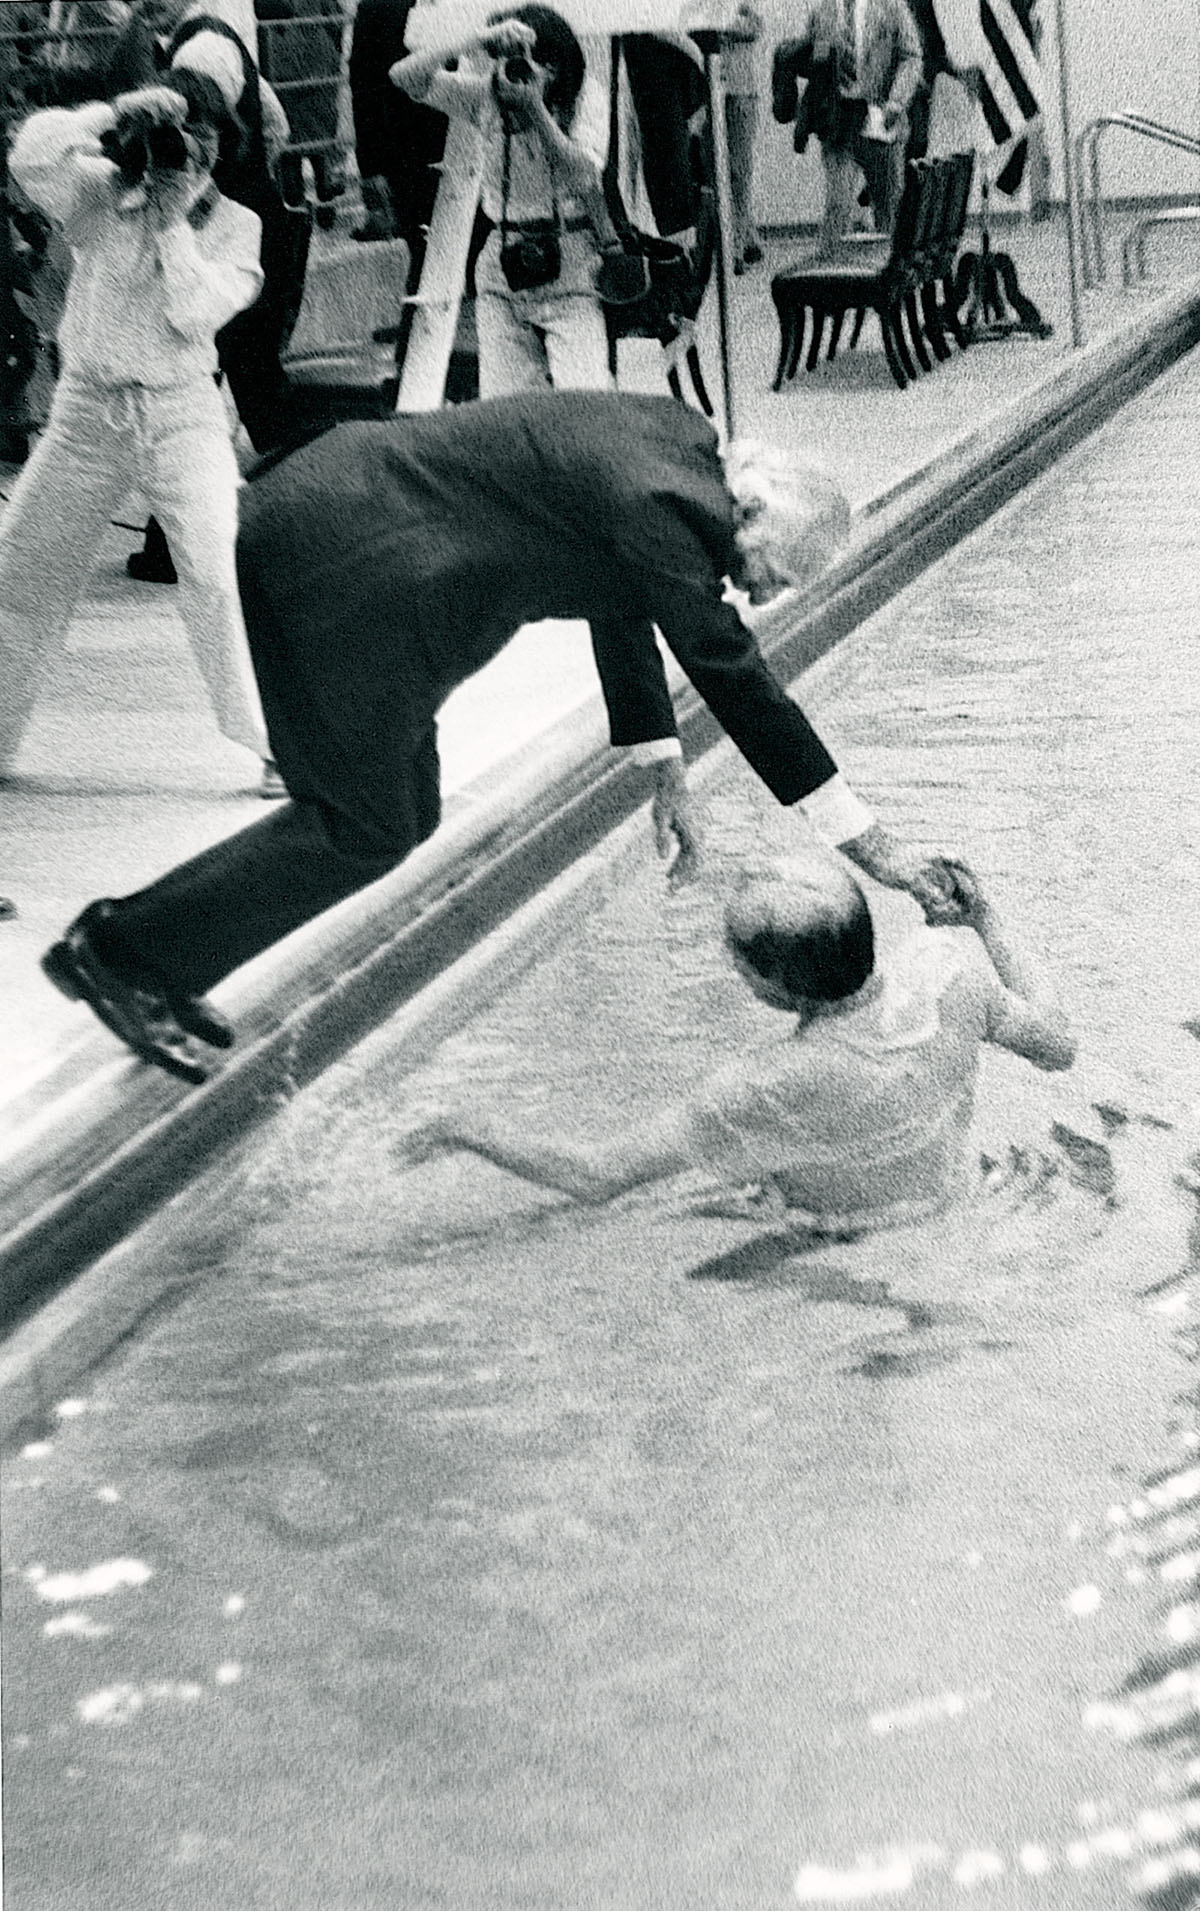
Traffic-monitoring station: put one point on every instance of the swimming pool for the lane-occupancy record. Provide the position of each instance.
(501, 1555)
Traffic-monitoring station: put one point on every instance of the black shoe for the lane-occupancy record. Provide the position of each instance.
(151, 570)
(142, 1021)
(147, 1014)
(194, 1013)
(153, 564)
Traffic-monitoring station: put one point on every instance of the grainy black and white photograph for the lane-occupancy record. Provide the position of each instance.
(599, 1001)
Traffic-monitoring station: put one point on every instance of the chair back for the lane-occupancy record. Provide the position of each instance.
(912, 218)
(960, 170)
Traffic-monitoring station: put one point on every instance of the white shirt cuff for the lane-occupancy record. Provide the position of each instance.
(835, 812)
(656, 751)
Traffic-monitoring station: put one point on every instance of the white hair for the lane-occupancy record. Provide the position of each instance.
(793, 509)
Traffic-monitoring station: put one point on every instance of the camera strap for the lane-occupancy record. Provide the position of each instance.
(505, 179)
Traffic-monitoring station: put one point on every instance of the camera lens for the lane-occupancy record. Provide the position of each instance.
(167, 148)
(518, 70)
(132, 157)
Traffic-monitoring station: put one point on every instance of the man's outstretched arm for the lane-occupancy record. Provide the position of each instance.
(591, 1172)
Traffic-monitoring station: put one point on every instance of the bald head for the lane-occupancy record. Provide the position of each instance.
(802, 930)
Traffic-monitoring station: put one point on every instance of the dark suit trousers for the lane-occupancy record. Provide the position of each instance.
(209, 915)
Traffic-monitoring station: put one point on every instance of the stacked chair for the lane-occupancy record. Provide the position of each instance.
(909, 283)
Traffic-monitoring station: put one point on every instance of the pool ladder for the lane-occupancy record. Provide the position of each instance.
(1087, 171)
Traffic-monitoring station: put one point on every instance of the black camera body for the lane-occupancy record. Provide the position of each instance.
(135, 152)
(530, 259)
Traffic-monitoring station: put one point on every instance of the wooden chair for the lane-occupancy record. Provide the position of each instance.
(907, 281)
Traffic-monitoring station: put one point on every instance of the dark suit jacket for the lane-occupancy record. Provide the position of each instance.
(388, 561)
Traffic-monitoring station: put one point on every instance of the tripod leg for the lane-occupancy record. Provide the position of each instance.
(859, 321)
(836, 333)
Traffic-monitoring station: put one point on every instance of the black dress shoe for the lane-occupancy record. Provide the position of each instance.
(153, 564)
(141, 1020)
(194, 1014)
(154, 1019)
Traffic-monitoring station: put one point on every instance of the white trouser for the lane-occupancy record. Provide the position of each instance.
(174, 444)
(553, 335)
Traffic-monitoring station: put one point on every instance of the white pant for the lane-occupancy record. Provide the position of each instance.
(174, 444)
(554, 335)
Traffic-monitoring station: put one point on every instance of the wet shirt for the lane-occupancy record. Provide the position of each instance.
(860, 1121)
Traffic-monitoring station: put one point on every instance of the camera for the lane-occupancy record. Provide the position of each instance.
(517, 70)
(148, 149)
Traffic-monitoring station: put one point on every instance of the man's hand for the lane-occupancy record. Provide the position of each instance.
(169, 197)
(675, 822)
(929, 880)
(147, 107)
(520, 101)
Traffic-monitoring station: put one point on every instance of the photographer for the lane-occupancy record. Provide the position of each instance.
(538, 318)
(159, 262)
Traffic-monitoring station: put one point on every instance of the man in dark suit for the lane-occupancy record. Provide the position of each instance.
(388, 561)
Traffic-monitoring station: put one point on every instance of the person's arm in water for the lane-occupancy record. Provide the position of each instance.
(730, 1125)
(1023, 1013)
(590, 1172)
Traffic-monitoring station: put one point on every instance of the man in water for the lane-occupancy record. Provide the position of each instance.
(381, 566)
(858, 1120)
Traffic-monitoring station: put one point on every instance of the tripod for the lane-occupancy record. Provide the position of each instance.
(986, 282)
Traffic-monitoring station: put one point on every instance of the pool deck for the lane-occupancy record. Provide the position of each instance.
(123, 772)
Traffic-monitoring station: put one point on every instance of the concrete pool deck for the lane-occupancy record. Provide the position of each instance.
(94, 1140)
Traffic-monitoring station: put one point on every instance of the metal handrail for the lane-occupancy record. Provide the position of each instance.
(1133, 252)
(1087, 171)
